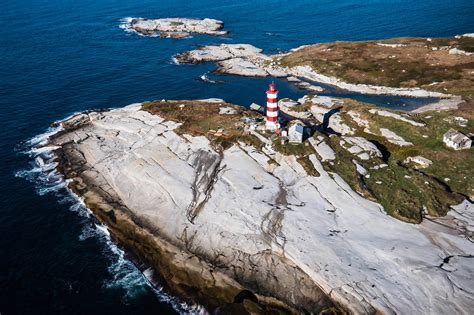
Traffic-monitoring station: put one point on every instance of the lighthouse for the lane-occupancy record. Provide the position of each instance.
(272, 108)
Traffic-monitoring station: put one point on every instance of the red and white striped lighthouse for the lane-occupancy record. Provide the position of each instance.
(272, 108)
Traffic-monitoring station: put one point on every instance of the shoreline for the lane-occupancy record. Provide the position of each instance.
(310, 74)
(445, 102)
(249, 61)
(169, 260)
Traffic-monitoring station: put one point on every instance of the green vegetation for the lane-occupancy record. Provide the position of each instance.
(308, 166)
(176, 23)
(418, 62)
(404, 191)
(458, 166)
(344, 167)
(197, 118)
(203, 119)
(296, 149)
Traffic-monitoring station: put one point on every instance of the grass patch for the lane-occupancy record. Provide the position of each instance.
(343, 166)
(203, 119)
(417, 63)
(457, 166)
(176, 23)
(308, 166)
(296, 149)
(407, 193)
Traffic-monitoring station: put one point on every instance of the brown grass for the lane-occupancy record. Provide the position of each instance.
(203, 119)
(415, 65)
(406, 192)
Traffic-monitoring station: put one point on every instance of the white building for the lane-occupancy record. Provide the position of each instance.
(456, 140)
(295, 132)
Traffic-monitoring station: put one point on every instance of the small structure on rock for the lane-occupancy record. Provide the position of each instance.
(295, 132)
(456, 140)
(227, 111)
(256, 108)
(419, 160)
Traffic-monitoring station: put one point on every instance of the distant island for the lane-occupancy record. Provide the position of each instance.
(175, 27)
(346, 207)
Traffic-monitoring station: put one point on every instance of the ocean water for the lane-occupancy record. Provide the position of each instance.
(58, 57)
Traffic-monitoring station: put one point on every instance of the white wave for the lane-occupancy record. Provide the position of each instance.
(38, 144)
(42, 139)
(174, 61)
(205, 78)
(28, 174)
(103, 229)
(127, 276)
(45, 149)
(126, 25)
(39, 161)
(42, 172)
(88, 231)
(49, 189)
(79, 206)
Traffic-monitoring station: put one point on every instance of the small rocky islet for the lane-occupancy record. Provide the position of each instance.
(228, 214)
(177, 28)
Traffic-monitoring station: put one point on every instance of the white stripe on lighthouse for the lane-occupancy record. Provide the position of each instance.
(272, 114)
(272, 95)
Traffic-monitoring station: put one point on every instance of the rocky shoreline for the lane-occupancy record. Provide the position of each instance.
(195, 277)
(220, 226)
(181, 272)
(247, 60)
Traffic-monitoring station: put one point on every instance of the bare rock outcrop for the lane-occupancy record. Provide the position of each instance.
(278, 231)
(238, 59)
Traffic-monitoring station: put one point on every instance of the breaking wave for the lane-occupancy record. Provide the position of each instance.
(205, 78)
(42, 172)
(126, 25)
(174, 61)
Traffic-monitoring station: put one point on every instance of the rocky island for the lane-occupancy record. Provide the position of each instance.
(230, 217)
(418, 67)
(175, 27)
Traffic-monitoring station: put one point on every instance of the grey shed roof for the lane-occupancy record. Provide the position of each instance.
(456, 136)
(297, 126)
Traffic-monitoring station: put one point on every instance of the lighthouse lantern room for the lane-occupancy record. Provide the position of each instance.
(272, 108)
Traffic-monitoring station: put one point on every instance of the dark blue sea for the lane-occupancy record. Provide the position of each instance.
(58, 57)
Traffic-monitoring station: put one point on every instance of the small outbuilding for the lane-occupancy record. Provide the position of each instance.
(295, 132)
(456, 140)
(256, 108)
